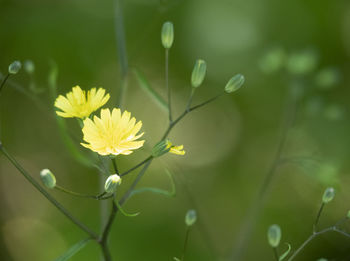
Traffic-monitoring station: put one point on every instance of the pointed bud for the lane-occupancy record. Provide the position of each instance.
(167, 35)
(274, 235)
(48, 179)
(234, 83)
(112, 182)
(328, 195)
(191, 217)
(15, 67)
(29, 67)
(161, 148)
(198, 73)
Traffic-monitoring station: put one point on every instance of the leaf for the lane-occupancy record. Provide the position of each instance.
(145, 85)
(285, 254)
(166, 193)
(123, 211)
(73, 250)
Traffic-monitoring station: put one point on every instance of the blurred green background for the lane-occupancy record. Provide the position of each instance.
(230, 143)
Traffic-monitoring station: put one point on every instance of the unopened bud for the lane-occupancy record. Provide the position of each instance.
(15, 67)
(191, 217)
(112, 182)
(29, 67)
(348, 214)
(161, 148)
(234, 83)
(48, 178)
(198, 73)
(274, 235)
(328, 195)
(167, 35)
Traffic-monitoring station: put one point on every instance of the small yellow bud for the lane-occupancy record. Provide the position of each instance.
(48, 179)
(274, 235)
(198, 73)
(234, 83)
(328, 195)
(191, 217)
(167, 35)
(112, 182)
(15, 67)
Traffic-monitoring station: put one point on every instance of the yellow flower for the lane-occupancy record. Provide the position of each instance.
(77, 104)
(178, 150)
(113, 133)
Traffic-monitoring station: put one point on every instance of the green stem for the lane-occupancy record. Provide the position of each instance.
(121, 49)
(168, 90)
(275, 253)
(137, 166)
(250, 221)
(4, 81)
(186, 243)
(46, 194)
(318, 218)
(114, 162)
(76, 194)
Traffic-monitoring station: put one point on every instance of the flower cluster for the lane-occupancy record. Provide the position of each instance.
(113, 133)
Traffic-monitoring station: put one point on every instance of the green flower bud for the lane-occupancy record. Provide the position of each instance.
(198, 73)
(328, 195)
(15, 67)
(191, 217)
(167, 35)
(274, 235)
(273, 60)
(48, 179)
(112, 182)
(348, 214)
(161, 148)
(234, 83)
(29, 67)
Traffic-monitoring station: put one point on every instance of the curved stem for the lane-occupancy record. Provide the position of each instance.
(76, 194)
(47, 195)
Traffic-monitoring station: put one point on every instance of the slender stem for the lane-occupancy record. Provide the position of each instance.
(114, 162)
(250, 221)
(207, 101)
(275, 253)
(318, 218)
(185, 244)
(167, 84)
(67, 191)
(121, 49)
(137, 166)
(47, 195)
(104, 238)
(4, 81)
(190, 99)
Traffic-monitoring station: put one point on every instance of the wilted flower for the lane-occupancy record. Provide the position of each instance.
(78, 104)
(113, 133)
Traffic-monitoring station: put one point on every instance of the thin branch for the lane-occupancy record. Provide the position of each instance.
(318, 218)
(47, 195)
(168, 90)
(76, 194)
(4, 81)
(137, 166)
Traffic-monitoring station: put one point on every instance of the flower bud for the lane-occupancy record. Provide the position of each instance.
(48, 178)
(29, 66)
(15, 67)
(191, 217)
(161, 148)
(234, 83)
(112, 182)
(328, 195)
(348, 214)
(274, 235)
(167, 35)
(198, 73)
